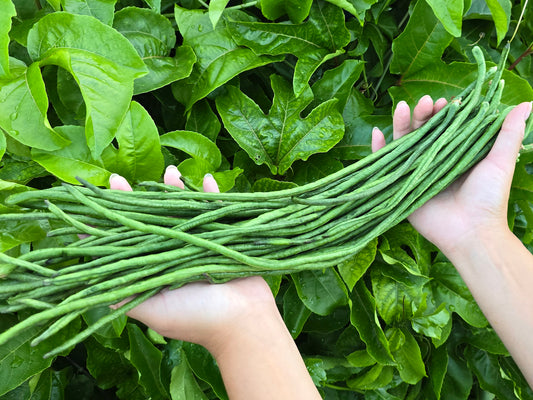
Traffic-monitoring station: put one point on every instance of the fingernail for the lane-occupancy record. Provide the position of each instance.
(173, 168)
(402, 103)
(375, 129)
(113, 176)
(208, 175)
(527, 112)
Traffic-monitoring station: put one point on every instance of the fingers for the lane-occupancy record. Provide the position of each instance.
(401, 120)
(422, 112)
(118, 182)
(402, 124)
(378, 140)
(172, 177)
(507, 144)
(210, 185)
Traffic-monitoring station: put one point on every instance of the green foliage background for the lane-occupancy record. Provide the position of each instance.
(264, 95)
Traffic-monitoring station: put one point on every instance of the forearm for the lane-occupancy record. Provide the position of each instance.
(498, 270)
(259, 360)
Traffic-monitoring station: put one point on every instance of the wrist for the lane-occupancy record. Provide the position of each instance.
(477, 241)
(257, 322)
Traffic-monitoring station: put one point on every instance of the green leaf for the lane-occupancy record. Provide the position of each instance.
(437, 366)
(49, 385)
(501, 15)
(3, 144)
(487, 369)
(19, 360)
(153, 37)
(357, 8)
(316, 167)
(408, 356)
(364, 317)
(112, 330)
(295, 313)
(139, 156)
(313, 42)
(449, 13)
(203, 120)
(147, 359)
(421, 43)
(396, 291)
(219, 57)
(104, 65)
(320, 291)
(195, 145)
(448, 287)
(375, 378)
(109, 367)
(183, 384)
(7, 11)
(432, 322)
(100, 9)
(23, 108)
(337, 83)
(216, 8)
(297, 10)
(458, 381)
(281, 137)
(194, 170)
(352, 270)
(73, 160)
(271, 185)
(448, 80)
(204, 367)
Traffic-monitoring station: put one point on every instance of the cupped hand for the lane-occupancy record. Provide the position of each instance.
(201, 312)
(477, 201)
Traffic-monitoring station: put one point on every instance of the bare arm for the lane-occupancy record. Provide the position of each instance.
(468, 223)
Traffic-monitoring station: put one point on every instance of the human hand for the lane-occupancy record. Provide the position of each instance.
(201, 312)
(476, 202)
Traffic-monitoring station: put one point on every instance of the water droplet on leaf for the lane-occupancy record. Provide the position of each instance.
(16, 362)
(13, 116)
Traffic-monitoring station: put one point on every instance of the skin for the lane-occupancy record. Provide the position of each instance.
(239, 323)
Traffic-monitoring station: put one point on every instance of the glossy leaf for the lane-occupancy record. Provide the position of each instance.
(313, 42)
(501, 13)
(100, 9)
(295, 313)
(364, 317)
(195, 145)
(73, 160)
(23, 361)
(203, 120)
(437, 366)
(270, 185)
(220, 58)
(448, 80)
(317, 166)
(352, 270)
(7, 11)
(448, 287)
(355, 7)
(23, 111)
(458, 380)
(375, 378)
(421, 43)
(183, 384)
(139, 156)
(147, 359)
(320, 291)
(205, 368)
(449, 13)
(216, 8)
(297, 10)
(281, 137)
(153, 37)
(104, 65)
(408, 356)
(397, 293)
(337, 83)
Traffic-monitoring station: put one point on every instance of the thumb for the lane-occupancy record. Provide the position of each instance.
(507, 144)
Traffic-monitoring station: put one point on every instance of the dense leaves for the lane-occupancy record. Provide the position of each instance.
(263, 95)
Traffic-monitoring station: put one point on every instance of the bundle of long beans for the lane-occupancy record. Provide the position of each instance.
(143, 241)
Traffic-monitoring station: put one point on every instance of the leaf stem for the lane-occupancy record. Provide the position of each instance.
(526, 53)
